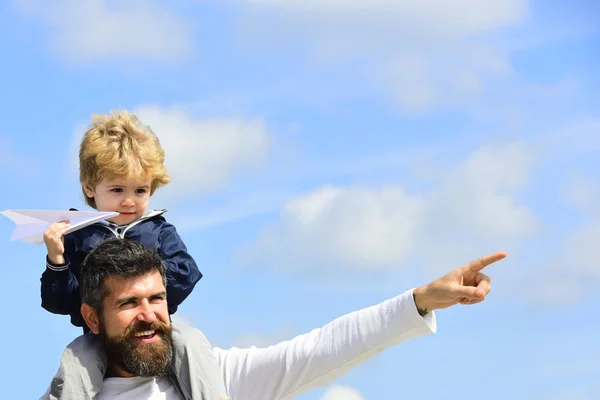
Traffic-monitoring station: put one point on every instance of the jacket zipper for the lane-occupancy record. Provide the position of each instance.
(122, 234)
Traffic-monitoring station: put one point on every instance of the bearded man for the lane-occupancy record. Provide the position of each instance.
(123, 292)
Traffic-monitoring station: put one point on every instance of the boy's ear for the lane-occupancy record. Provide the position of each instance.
(89, 191)
(91, 318)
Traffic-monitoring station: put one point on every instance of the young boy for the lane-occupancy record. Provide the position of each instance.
(121, 166)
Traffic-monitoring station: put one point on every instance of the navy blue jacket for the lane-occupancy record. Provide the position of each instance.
(60, 283)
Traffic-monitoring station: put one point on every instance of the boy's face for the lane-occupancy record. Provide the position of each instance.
(126, 195)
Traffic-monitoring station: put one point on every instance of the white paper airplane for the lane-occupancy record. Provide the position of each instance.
(31, 224)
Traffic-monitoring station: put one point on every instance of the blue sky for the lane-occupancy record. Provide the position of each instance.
(325, 157)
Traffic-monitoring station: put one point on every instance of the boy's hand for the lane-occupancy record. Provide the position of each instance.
(54, 237)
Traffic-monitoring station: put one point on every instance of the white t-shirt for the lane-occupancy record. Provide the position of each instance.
(308, 361)
(138, 388)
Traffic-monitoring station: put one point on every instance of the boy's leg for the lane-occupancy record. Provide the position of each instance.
(82, 368)
(197, 367)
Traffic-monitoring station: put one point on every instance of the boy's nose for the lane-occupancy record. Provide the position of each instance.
(127, 203)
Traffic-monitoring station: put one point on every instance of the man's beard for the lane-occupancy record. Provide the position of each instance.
(137, 358)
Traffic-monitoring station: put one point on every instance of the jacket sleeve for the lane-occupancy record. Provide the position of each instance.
(182, 271)
(60, 289)
(58, 285)
(315, 359)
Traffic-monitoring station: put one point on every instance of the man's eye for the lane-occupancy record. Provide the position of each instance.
(157, 299)
(129, 303)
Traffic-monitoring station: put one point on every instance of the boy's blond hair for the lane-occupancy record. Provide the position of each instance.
(119, 145)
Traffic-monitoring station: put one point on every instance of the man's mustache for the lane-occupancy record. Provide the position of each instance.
(158, 326)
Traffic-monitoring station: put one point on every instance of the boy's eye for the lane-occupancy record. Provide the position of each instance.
(116, 190)
(141, 191)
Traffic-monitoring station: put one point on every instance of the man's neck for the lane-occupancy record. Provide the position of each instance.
(114, 371)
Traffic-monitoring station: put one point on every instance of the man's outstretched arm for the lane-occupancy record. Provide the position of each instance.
(315, 359)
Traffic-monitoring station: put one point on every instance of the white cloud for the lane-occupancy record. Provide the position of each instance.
(474, 206)
(552, 288)
(581, 250)
(203, 154)
(580, 253)
(352, 226)
(418, 81)
(570, 273)
(427, 17)
(106, 30)
(482, 188)
(340, 392)
(583, 193)
(425, 53)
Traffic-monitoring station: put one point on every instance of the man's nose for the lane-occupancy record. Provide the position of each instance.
(146, 313)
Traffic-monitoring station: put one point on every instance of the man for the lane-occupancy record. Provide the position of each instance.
(124, 303)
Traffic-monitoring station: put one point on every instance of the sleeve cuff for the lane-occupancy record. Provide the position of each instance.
(56, 267)
(428, 320)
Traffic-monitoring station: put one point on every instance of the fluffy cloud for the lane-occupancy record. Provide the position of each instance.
(426, 53)
(426, 17)
(571, 270)
(418, 81)
(584, 194)
(339, 392)
(84, 31)
(473, 206)
(349, 226)
(202, 154)
(576, 269)
(580, 252)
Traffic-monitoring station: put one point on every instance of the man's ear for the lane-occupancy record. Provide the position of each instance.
(91, 318)
(89, 191)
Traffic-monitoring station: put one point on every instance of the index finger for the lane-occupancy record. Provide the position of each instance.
(481, 263)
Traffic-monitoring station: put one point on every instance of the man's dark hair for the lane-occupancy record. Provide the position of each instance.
(121, 258)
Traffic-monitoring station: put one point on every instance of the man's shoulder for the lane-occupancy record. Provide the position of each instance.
(85, 341)
(184, 334)
(181, 328)
(189, 341)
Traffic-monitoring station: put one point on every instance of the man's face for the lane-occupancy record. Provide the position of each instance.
(127, 195)
(135, 326)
